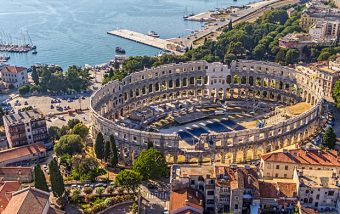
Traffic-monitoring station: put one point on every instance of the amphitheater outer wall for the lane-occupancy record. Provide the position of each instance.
(243, 80)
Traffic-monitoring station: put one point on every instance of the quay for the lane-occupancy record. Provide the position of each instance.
(148, 40)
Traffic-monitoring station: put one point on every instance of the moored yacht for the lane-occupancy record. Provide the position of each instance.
(153, 34)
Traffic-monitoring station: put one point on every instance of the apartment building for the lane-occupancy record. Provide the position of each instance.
(26, 127)
(282, 164)
(325, 30)
(13, 76)
(237, 189)
(311, 16)
(318, 189)
(224, 188)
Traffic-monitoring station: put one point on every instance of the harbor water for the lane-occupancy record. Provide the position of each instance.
(74, 32)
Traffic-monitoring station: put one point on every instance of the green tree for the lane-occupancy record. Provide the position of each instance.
(113, 160)
(329, 138)
(54, 132)
(85, 168)
(292, 56)
(228, 58)
(336, 93)
(236, 48)
(64, 130)
(128, 179)
(81, 129)
(150, 164)
(68, 144)
(324, 56)
(99, 146)
(72, 122)
(24, 89)
(35, 75)
(259, 51)
(278, 16)
(56, 178)
(107, 151)
(39, 179)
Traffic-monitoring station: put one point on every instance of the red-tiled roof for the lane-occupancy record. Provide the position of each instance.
(185, 197)
(6, 190)
(268, 189)
(27, 201)
(12, 69)
(14, 153)
(300, 156)
(16, 170)
(277, 190)
(287, 190)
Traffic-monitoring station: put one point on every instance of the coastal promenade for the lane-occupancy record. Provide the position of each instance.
(147, 40)
(213, 29)
(210, 31)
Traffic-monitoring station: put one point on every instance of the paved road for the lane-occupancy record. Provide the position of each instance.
(336, 114)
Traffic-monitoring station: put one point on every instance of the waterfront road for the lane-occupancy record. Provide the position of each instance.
(242, 15)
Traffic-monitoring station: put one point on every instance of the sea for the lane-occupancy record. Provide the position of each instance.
(74, 32)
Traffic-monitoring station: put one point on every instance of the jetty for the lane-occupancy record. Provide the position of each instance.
(148, 40)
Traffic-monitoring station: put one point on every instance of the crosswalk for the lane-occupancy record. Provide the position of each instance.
(159, 195)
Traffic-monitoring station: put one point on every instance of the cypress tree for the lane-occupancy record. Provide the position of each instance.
(99, 146)
(35, 75)
(57, 181)
(113, 160)
(329, 138)
(107, 151)
(39, 179)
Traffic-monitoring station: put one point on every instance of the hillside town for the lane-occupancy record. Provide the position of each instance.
(244, 119)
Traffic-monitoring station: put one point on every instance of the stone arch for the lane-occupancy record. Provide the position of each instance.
(169, 158)
(228, 157)
(229, 79)
(180, 158)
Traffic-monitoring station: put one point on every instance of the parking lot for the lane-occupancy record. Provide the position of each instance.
(57, 108)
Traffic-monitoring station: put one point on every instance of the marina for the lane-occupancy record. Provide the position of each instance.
(15, 45)
(148, 40)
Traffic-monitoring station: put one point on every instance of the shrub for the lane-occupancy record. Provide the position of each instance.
(88, 190)
(111, 189)
(100, 190)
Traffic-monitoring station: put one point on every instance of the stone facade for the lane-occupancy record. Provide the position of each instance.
(244, 80)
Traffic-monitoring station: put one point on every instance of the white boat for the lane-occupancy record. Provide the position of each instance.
(153, 34)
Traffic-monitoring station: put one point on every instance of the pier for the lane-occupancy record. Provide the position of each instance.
(147, 40)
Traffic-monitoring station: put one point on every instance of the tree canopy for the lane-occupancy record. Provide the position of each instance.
(329, 138)
(150, 164)
(39, 179)
(68, 144)
(85, 168)
(56, 178)
(128, 179)
(99, 146)
(80, 129)
(336, 93)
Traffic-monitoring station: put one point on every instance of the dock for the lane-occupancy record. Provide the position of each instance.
(147, 40)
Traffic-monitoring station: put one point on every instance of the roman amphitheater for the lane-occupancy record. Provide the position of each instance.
(209, 112)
